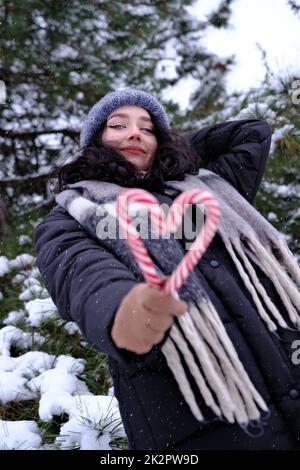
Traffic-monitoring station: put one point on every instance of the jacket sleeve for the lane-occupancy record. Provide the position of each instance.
(237, 151)
(86, 282)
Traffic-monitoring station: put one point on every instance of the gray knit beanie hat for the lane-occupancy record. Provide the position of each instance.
(128, 96)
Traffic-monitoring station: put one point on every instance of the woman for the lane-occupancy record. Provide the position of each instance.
(212, 369)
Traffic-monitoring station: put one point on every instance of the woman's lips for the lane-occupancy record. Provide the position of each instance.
(134, 150)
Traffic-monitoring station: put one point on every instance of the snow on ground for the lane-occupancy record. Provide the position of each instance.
(93, 421)
(19, 435)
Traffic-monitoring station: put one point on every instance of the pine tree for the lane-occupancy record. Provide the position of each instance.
(59, 57)
(294, 6)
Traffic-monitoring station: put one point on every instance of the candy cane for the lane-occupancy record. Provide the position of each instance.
(164, 224)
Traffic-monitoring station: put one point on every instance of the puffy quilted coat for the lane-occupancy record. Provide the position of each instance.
(87, 283)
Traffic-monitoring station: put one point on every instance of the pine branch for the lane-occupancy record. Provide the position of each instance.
(32, 134)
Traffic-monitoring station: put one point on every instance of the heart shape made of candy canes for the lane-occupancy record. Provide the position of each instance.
(165, 224)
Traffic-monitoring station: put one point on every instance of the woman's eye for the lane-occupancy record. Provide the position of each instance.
(123, 126)
(148, 130)
(116, 126)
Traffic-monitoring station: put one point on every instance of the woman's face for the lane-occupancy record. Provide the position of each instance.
(130, 130)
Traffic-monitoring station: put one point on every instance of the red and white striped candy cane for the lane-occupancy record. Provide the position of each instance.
(164, 224)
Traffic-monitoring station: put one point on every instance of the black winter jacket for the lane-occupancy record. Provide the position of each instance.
(87, 283)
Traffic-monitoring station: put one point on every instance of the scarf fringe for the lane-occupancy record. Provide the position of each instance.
(284, 285)
(173, 360)
(229, 391)
(254, 286)
(178, 339)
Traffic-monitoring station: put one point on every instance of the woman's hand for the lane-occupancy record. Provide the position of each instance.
(143, 317)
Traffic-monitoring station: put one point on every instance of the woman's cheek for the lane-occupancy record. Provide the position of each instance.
(112, 140)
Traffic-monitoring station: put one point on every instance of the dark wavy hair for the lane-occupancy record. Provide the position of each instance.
(174, 157)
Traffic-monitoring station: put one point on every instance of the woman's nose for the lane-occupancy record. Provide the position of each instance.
(134, 133)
